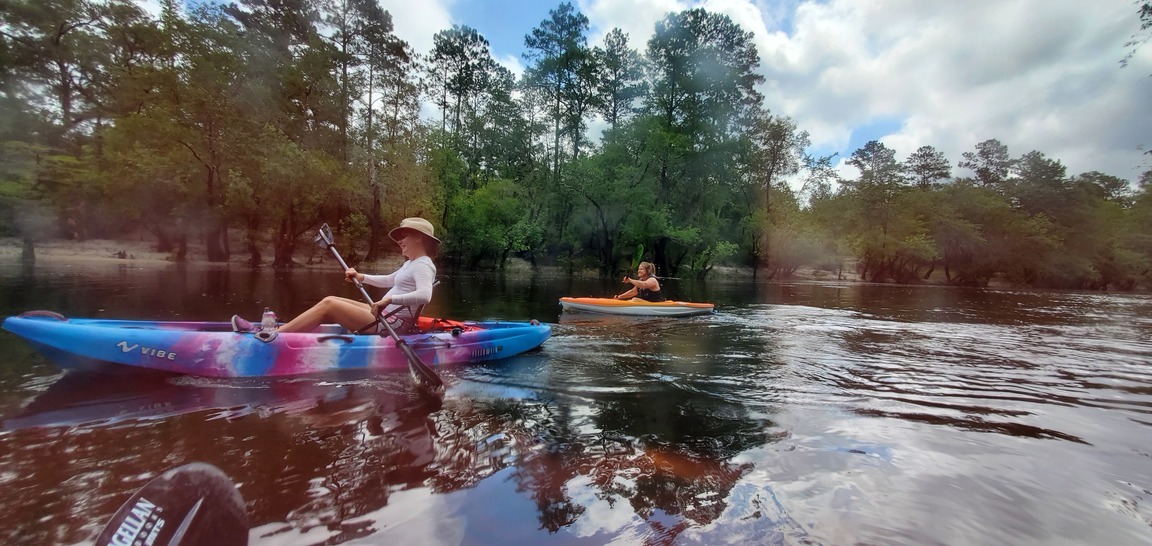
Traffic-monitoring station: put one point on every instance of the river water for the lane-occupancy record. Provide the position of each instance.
(806, 413)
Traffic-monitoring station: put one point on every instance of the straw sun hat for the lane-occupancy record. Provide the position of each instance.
(421, 226)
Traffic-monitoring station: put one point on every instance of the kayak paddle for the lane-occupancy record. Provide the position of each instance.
(191, 505)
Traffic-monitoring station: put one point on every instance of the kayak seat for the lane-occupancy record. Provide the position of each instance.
(445, 325)
(402, 326)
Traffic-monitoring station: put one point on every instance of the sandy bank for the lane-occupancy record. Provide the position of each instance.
(143, 253)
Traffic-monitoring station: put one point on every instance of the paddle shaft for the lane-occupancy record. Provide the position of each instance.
(356, 280)
(420, 371)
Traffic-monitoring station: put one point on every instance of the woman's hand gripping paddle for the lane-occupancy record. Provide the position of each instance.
(192, 505)
(421, 373)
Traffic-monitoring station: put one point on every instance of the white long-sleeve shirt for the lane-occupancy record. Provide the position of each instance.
(410, 285)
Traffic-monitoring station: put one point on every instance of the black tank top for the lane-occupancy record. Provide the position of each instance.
(649, 295)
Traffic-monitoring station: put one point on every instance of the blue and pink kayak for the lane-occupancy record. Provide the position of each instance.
(212, 349)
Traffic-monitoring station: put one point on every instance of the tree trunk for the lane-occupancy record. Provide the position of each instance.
(215, 244)
(254, 257)
(285, 245)
(163, 240)
(182, 248)
(556, 141)
(375, 229)
(28, 252)
(660, 256)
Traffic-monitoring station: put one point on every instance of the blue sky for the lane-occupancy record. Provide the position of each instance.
(1039, 75)
(503, 22)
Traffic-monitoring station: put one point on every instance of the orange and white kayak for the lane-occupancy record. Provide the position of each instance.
(637, 308)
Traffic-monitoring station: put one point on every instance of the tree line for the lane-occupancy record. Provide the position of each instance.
(243, 126)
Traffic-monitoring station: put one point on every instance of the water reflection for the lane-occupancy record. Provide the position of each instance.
(663, 475)
(321, 454)
(801, 413)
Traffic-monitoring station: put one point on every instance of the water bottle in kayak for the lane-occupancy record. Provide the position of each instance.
(268, 321)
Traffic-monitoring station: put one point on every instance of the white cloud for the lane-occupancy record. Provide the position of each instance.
(637, 18)
(151, 7)
(417, 22)
(512, 63)
(1035, 74)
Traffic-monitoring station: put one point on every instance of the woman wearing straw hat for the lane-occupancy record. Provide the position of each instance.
(410, 286)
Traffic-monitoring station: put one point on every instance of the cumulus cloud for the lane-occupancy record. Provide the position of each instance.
(637, 18)
(417, 22)
(511, 62)
(1035, 74)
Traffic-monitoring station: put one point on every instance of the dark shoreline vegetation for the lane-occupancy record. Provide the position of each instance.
(242, 127)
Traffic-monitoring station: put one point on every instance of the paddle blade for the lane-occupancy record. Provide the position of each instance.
(195, 504)
(324, 238)
(424, 376)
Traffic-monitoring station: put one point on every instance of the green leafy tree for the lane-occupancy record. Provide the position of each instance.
(398, 177)
(703, 81)
(293, 64)
(51, 48)
(979, 235)
(561, 65)
(990, 161)
(488, 223)
(609, 184)
(891, 241)
(179, 149)
(22, 209)
(621, 83)
(926, 166)
(459, 67)
(391, 65)
(1042, 190)
(361, 33)
(777, 153)
(63, 63)
(1107, 187)
(1137, 228)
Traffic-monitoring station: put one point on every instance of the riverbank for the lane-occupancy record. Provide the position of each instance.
(11, 250)
(143, 252)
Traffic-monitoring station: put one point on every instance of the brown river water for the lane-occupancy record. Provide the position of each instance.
(799, 413)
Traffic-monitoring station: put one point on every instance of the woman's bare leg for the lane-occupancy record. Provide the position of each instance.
(350, 314)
